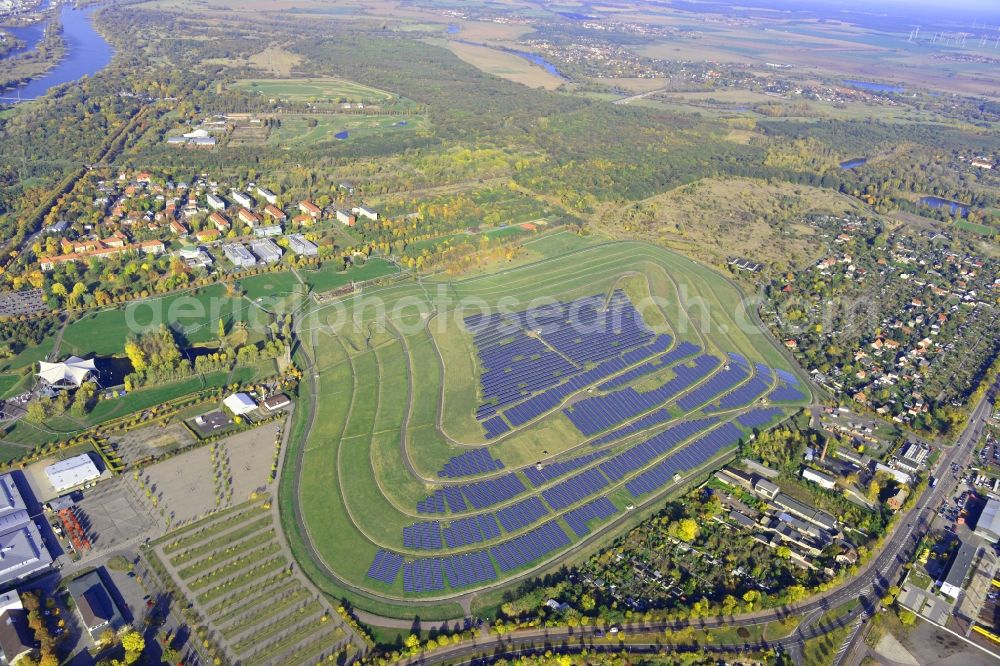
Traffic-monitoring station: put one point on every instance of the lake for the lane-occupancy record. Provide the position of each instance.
(954, 207)
(854, 163)
(86, 53)
(871, 86)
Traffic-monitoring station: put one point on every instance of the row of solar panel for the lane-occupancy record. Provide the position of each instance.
(742, 395)
(682, 351)
(718, 383)
(636, 457)
(422, 536)
(554, 470)
(787, 389)
(476, 461)
(471, 529)
(530, 546)
(575, 488)
(521, 514)
(385, 567)
(592, 415)
(480, 494)
(579, 518)
(647, 421)
(695, 454)
(495, 427)
(758, 418)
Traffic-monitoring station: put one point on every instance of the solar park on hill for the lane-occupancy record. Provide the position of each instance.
(523, 433)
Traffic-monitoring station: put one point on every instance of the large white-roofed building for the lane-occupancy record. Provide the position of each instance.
(72, 472)
(22, 551)
(240, 404)
(70, 373)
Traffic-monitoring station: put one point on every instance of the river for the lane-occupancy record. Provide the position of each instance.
(86, 52)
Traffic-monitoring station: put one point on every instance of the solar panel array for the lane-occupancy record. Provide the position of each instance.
(530, 546)
(423, 536)
(554, 470)
(647, 421)
(683, 350)
(470, 530)
(600, 508)
(640, 455)
(575, 488)
(423, 575)
(787, 390)
(480, 494)
(758, 418)
(385, 567)
(691, 456)
(468, 569)
(495, 427)
(741, 396)
(476, 461)
(721, 381)
(521, 514)
(525, 354)
(592, 415)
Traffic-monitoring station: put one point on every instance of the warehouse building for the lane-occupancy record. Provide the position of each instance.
(72, 472)
(298, 244)
(22, 550)
(239, 255)
(266, 250)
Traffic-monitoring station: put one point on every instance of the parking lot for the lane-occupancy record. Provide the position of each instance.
(112, 515)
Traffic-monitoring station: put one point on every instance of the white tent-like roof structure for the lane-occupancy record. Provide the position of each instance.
(72, 371)
(240, 403)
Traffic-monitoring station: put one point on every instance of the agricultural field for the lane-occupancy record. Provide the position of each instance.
(233, 569)
(504, 64)
(516, 446)
(314, 89)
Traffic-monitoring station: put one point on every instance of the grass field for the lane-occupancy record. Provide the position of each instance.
(297, 130)
(395, 401)
(194, 315)
(325, 88)
(328, 277)
(270, 284)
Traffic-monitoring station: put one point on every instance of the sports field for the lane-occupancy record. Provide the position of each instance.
(398, 497)
(325, 88)
(300, 130)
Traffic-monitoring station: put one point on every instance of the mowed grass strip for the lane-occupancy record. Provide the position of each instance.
(248, 576)
(232, 566)
(299, 89)
(219, 542)
(278, 624)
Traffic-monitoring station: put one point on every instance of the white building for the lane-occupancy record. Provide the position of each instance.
(269, 196)
(242, 199)
(266, 250)
(239, 255)
(268, 231)
(298, 244)
(216, 202)
(819, 478)
(72, 472)
(70, 373)
(345, 217)
(365, 212)
(239, 404)
(196, 257)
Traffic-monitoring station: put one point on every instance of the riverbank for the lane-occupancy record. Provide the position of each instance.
(50, 50)
(70, 49)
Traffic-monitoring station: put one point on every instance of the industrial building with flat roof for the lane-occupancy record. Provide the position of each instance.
(988, 526)
(72, 472)
(298, 244)
(22, 550)
(267, 250)
(239, 255)
(959, 569)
